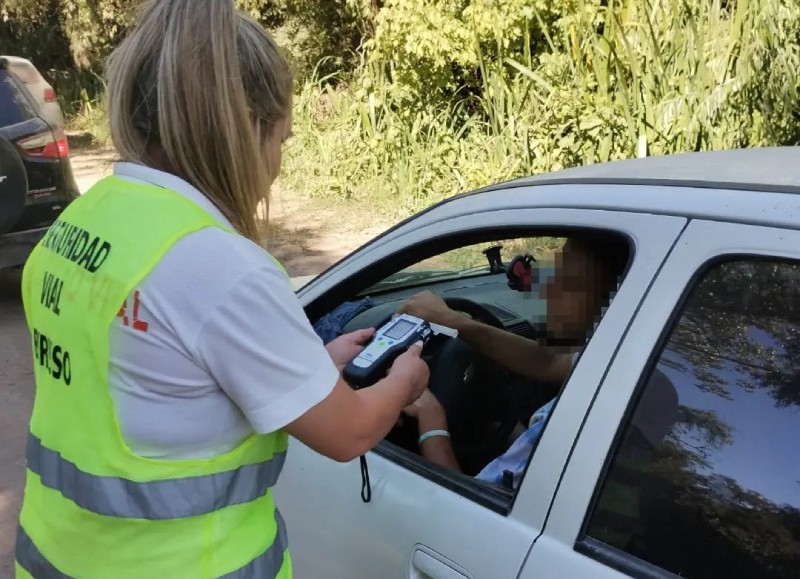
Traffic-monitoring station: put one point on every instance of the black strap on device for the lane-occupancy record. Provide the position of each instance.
(366, 488)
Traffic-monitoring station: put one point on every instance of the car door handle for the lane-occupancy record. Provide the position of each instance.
(426, 566)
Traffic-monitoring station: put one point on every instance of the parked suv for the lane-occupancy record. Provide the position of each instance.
(36, 180)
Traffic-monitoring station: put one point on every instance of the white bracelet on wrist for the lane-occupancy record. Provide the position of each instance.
(430, 434)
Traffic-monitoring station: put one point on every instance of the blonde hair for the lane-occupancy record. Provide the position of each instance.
(201, 85)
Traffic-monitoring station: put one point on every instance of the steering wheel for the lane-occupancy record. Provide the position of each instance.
(475, 393)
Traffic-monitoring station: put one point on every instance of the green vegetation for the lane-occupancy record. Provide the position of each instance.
(410, 101)
(456, 95)
(472, 256)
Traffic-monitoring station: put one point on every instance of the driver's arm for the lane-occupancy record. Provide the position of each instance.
(431, 416)
(516, 353)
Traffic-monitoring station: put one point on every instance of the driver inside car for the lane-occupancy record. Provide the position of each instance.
(587, 272)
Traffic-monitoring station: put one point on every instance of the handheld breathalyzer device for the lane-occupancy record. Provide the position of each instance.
(391, 340)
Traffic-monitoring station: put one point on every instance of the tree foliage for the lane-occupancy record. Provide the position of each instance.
(400, 96)
(456, 94)
(90, 27)
(436, 48)
(80, 34)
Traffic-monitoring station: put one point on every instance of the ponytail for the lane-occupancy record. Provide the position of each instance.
(203, 85)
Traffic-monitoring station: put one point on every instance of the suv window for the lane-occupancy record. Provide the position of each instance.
(14, 105)
(719, 495)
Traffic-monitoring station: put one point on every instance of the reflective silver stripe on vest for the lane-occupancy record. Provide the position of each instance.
(32, 560)
(163, 499)
(265, 566)
(269, 563)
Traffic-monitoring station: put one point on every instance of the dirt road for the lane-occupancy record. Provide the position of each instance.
(307, 237)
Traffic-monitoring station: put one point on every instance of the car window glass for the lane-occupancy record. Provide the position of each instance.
(706, 481)
(474, 260)
(14, 105)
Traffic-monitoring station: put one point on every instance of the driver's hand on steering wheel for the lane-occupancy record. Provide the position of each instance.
(431, 308)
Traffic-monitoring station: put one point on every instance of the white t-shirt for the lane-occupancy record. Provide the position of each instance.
(222, 346)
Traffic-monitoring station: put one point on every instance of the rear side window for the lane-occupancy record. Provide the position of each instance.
(14, 105)
(716, 493)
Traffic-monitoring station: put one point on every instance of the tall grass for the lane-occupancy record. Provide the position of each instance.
(634, 78)
(91, 118)
(81, 95)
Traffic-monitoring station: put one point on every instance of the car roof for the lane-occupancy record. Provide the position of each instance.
(24, 69)
(765, 169)
(758, 186)
(16, 59)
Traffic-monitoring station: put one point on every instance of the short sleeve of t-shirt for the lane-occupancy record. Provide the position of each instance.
(222, 347)
(261, 349)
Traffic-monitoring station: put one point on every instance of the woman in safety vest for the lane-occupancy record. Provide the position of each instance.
(172, 358)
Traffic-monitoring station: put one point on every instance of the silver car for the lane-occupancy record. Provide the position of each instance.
(694, 474)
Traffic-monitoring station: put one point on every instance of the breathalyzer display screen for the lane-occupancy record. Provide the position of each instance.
(399, 330)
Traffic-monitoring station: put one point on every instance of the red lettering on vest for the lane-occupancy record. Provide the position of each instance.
(122, 313)
(138, 324)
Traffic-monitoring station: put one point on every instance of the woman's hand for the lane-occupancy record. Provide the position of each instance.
(348, 346)
(412, 370)
(348, 423)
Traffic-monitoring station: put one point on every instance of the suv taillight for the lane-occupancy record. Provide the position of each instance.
(49, 95)
(49, 145)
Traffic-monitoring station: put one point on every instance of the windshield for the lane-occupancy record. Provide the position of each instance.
(471, 261)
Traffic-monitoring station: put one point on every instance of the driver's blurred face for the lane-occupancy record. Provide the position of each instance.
(573, 294)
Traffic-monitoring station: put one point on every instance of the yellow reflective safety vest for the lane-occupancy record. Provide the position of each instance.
(92, 508)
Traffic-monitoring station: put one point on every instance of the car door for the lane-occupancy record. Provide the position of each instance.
(717, 496)
(424, 524)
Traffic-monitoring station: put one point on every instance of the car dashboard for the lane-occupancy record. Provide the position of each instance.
(520, 312)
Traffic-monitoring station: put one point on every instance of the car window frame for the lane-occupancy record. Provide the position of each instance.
(366, 265)
(490, 496)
